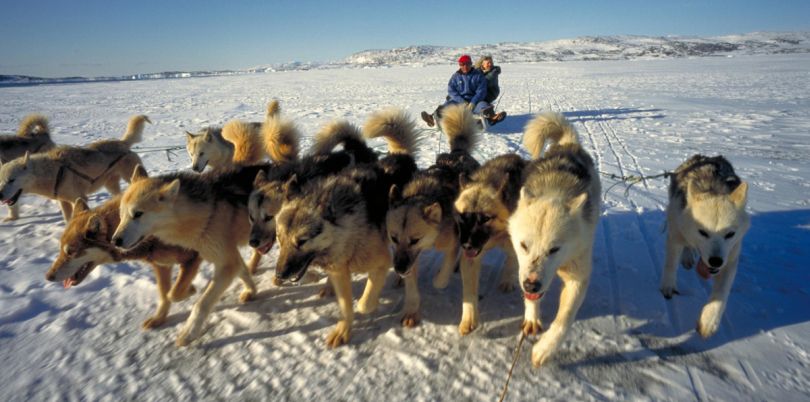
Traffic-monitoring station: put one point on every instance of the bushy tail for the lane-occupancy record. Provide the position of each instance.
(247, 142)
(396, 126)
(134, 132)
(549, 126)
(273, 109)
(341, 132)
(281, 139)
(460, 126)
(33, 124)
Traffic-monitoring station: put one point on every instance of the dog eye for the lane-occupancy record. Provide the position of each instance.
(137, 214)
(202, 153)
(703, 233)
(10, 181)
(730, 235)
(268, 218)
(394, 240)
(414, 241)
(553, 250)
(485, 218)
(300, 242)
(524, 246)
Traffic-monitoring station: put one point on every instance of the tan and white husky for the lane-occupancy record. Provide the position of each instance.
(32, 136)
(706, 215)
(553, 226)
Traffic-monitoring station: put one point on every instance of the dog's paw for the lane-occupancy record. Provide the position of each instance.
(326, 291)
(410, 320)
(540, 356)
(367, 306)
(669, 291)
(441, 281)
(339, 335)
(506, 286)
(246, 296)
(467, 325)
(10, 218)
(531, 327)
(178, 296)
(543, 350)
(153, 322)
(277, 281)
(709, 321)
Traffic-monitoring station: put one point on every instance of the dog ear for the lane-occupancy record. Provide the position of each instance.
(80, 205)
(170, 191)
(330, 214)
(260, 180)
(433, 213)
(291, 187)
(208, 137)
(94, 228)
(526, 194)
(138, 174)
(740, 195)
(463, 180)
(693, 193)
(395, 194)
(576, 203)
(190, 136)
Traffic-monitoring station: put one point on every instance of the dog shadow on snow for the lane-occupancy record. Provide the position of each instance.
(515, 123)
(770, 292)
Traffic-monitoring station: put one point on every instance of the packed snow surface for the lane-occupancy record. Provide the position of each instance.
(639, 117)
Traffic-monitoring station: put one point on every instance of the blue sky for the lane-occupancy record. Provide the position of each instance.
(54, 38)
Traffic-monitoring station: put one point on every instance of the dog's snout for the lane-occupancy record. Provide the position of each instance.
(254, 243)
(715, 262)
(118, 241)
(50, 276)
(532, 286)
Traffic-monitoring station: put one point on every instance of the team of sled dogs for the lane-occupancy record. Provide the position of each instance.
(345, 209)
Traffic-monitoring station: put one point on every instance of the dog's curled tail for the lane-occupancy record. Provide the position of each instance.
(33, 124)
(134, 133)
(247, 143)
(460, 126)
(273, 109)
(281, 139)
(396, 126)
(341, 132)
(549, 126)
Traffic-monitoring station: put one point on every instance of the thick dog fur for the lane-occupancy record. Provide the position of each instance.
(552, 229)
(486, 200)
(66, 173)
(280, 136)
(241, 143)
(338, 223)
(87, 243)
(32, 136)
(206, 213)
(706, 215)
(421, 214)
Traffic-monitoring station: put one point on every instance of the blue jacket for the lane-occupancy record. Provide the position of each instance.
(470, 87)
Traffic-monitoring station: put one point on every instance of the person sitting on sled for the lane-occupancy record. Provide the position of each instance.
(468, 86)
(491, 72)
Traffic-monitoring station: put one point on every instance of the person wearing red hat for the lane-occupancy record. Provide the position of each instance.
(467, 85)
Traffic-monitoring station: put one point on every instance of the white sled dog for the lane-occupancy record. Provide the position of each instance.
(553, 227)
(32, 136)
(706, 214)
(240, 143)
(66, 173)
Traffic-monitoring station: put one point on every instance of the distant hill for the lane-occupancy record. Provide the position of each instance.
(582, 48)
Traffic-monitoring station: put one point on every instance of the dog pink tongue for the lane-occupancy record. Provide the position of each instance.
(68, 283)
(703, 270)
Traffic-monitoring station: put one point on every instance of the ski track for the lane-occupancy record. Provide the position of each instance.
(627, 343)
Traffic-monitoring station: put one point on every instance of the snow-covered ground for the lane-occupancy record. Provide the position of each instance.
(635, 117)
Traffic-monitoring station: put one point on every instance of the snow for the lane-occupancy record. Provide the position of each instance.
(628, 342)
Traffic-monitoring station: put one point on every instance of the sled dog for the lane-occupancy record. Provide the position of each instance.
(421, 214)
(32, 136)
(239, 143)
(553, 226)
(486, 200)
(206, 213)
(706, 215)
(66, 173)
(338, 223)
(87, 243)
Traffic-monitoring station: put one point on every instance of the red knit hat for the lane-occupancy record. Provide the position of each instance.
(464, 59)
